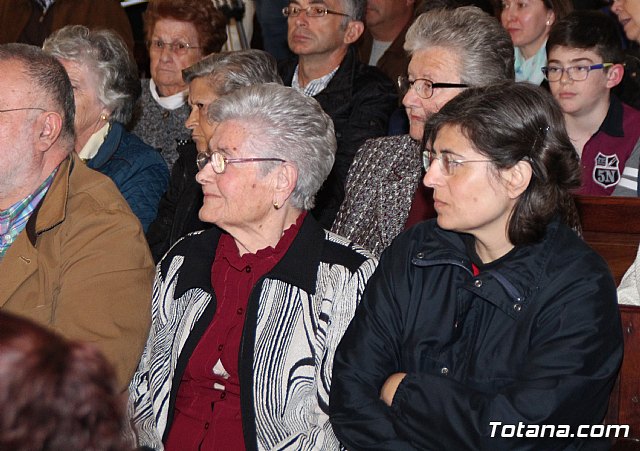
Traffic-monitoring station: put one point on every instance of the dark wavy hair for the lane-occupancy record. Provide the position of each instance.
(588, 30)
(511, 122)
(55, 394)
(210, 23)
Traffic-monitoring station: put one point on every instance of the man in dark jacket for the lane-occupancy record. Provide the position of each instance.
(358, 98)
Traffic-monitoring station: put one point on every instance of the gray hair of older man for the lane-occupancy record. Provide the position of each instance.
(355, 8)
(51, 81)
(228, 71)
(284, 123)
(483, 46)
(107, 57)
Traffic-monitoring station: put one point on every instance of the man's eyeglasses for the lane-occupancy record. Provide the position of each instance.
(311, 11)
(219, 162)
(22, 109)
(448, 163)
(575, 73)
(424, 87)
(179, 48)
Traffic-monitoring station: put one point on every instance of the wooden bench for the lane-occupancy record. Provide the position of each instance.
(624, 402)
(611, 226)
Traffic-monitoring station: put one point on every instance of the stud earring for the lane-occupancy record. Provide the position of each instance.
(104, 117)
(548, 22)
(276, 205)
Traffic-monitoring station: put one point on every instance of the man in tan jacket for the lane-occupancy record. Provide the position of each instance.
(72, 254)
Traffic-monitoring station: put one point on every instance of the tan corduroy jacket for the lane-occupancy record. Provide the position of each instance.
(82, 267)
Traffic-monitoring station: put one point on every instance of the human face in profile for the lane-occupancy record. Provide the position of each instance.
(201, 95)
(472, 198)
(440, 65)
(628, 13)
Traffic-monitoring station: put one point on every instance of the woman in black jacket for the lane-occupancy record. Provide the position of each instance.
(496, 314)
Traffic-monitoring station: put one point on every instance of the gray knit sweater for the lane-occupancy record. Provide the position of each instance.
(159, 127)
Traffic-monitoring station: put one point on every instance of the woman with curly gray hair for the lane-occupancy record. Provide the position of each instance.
(248, 314)
(212, 77)
(106, 87)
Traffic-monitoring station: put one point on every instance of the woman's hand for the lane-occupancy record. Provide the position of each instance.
(390, 386)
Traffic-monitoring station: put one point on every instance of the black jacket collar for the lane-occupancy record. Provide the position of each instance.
(612, 124)
(199, 252)
(513, 280)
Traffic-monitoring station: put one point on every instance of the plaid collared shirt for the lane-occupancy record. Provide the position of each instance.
(314, 86)
(14, 219)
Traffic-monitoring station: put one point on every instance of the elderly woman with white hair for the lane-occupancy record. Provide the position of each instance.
(450, 50)
(106, 86)
(247, 315)
(212, 77)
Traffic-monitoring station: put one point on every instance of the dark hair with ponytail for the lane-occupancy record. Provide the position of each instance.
(512, 122)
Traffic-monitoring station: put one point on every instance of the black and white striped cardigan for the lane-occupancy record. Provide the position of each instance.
(296, 316)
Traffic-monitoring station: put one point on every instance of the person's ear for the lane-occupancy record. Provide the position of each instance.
(551, 17)
(517, 178)
(614, 75)
(285, 180)
(105, 114)
(354, 30)
(49, 128)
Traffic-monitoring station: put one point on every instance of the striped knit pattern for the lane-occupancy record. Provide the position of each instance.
(296, 337)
